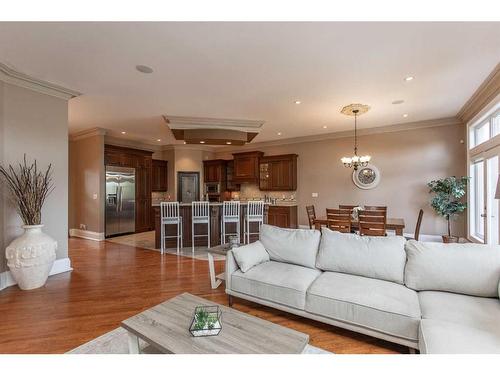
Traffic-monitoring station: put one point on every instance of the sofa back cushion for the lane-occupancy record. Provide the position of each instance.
(458, 268)
(381, 258)
(295, 246)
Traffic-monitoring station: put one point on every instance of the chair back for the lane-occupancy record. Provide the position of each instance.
(231, 209)
(339, 220)
(376, 208)
(200, 209)
(255, 210)
(372, 222)
(169, 210)
(419, 222)
(311, 216)
(347, 207)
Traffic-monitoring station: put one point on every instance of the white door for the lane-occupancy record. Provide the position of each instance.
(484, 224)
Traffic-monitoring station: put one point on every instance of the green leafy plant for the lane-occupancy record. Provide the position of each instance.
(204, 319)
(448, 201)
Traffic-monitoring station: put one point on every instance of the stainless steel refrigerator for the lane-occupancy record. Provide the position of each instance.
(120, 200)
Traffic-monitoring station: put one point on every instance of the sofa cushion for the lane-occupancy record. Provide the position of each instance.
(295, 246)
(250, 255)
(380, 305)
(376, 257)
(443, 337)
(460, 268)
(479, 312)
(277, 282)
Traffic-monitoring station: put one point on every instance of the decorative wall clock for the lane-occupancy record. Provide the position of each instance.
(367, 177)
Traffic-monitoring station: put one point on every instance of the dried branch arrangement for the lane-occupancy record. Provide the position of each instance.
(29, 187)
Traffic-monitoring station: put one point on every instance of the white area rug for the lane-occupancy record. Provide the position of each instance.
(146, 240)
(115, 342)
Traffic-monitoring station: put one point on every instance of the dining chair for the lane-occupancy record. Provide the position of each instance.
(254, 214)
(230, 214)
(372, 222)
(339, 220)
(200, 214)
(376, 208)
(311, 216)
(417, 227)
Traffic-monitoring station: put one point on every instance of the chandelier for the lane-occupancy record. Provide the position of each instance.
(355, 161)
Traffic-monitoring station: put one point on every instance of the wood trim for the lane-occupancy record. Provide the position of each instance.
(87, 134)
(485, 93)
(14, 77)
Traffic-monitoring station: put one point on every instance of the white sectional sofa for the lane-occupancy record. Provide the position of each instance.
(438, 298)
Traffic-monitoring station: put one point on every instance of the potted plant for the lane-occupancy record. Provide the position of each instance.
(447, 201)
(29, 257)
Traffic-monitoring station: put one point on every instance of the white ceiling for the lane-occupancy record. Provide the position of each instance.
(254, 71)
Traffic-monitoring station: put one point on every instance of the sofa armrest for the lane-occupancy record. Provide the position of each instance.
(231, 267)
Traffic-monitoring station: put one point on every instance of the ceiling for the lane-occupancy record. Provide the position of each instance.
(254, 71)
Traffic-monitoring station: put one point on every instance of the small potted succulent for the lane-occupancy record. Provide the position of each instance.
(448, 200)
(31, 256)
(206, 321)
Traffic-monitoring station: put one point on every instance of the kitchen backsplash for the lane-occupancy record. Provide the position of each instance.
(158, 197)
(251, 191)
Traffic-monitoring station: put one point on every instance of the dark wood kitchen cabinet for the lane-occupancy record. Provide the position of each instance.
(142, 162)
(278, 173)
(159, 175)
(246, 167)
(214, 171)
(230, 184)
(282, 216)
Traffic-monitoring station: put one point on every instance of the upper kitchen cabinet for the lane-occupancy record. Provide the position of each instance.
(246, 167)
(160, 175)
(214, 171)
(230, 184)
(278, 173)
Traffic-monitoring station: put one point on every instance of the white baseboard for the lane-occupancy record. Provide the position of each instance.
(87, 234)
(60, 266)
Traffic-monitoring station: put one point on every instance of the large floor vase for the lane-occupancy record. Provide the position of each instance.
(31, 256)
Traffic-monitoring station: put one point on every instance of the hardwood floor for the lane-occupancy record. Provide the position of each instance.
(111, 282)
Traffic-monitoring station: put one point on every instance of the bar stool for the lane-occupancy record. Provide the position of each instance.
(170, 216)
(255, 214)
(230, 214)
(200, 215)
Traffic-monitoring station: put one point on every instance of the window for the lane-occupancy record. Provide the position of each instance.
(485, 129)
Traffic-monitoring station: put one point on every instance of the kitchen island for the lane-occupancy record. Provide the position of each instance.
(215, 226)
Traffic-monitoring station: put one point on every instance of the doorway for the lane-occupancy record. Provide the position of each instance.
(484, 224)
(188, 187)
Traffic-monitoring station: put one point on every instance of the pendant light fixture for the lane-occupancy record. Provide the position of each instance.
(355, 161)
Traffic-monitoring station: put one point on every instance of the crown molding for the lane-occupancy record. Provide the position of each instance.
(447, 121)
(190, 147)
(486, 92)
(87, 134)
(12, 76)
(114, 141)
(187, 122)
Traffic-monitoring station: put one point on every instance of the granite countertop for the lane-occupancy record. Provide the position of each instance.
(243, 203)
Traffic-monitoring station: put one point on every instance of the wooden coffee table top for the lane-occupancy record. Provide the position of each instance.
(166, 327)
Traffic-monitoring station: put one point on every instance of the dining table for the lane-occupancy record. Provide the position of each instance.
(395, 224)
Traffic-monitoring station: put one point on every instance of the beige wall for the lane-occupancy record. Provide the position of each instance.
(191, 160)
(86, 181)
(35, 124)
(407, 160)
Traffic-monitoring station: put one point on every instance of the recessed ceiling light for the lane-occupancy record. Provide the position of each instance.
(124, 132)
(279, 133)
(185, 142)
(228, 143)
(298, 102)
(324, 126)
(399, 101)
(405, 115)
(144, 69)
(202, 141)
(158, 140)
(409, 78)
